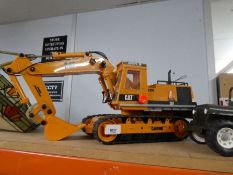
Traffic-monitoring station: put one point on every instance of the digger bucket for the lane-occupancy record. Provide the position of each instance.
(57, 129)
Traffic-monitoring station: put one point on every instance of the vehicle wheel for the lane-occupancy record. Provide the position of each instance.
(219, 137)
(98, 131)
(181, 129)
(87, 120)
(196, 137)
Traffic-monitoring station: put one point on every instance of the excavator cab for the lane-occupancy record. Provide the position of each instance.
(131, 83)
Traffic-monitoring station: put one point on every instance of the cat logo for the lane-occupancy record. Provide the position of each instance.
(128, 97)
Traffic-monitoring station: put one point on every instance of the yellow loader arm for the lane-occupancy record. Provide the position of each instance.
(60, 65)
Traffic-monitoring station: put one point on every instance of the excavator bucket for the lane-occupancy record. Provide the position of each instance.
(57, 129)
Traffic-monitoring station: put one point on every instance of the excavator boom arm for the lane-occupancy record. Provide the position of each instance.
(59, 65)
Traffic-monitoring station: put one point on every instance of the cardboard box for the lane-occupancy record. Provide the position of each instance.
(224, 83)
(12, 112)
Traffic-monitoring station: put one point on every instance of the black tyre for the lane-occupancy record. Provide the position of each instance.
(219, 137)
(196, 137)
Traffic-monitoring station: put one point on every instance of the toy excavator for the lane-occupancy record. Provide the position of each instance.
(146, 110)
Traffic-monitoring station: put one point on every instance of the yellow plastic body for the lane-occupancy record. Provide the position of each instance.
(114, 81)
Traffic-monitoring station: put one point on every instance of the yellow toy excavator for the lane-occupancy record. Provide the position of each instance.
(147, 111)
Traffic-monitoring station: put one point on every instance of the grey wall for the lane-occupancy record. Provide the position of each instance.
(164, 35)
(222, 17)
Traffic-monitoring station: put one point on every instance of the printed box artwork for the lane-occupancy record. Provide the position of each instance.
(12, 112)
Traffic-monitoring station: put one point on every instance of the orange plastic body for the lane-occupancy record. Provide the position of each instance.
(27, 163)
(125, 88)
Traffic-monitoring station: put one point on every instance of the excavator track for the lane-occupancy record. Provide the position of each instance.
(86, 120)
(129, 138)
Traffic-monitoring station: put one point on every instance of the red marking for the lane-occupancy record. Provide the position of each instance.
(142, 99)
(12, 112)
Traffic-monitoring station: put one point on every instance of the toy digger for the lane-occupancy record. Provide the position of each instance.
(146, 110)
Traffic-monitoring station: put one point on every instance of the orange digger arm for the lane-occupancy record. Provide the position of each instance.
(61, 64)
